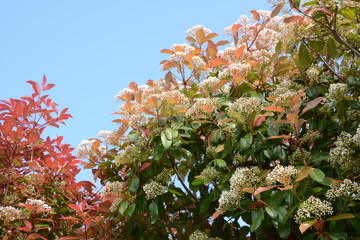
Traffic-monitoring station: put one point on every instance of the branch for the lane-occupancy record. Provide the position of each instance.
(182, 180)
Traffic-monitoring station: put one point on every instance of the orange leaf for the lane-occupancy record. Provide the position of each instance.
(276, 10)
(325, 11)
(235, 28)
(211, 36)
(34, 236)
(144, 166)
(217, 62)
(263, 189)
(217, 214)
(312, 104)
(207, 108)
(292, 117)
(304, 172)
(167, 51)
(133, 86)
(238, 78)
(219, 85)
(306, 225)
(255, 15)
(274, 109)
(70, 218)
(258, 121)
(285, 188)
(95, 145)
(200, 36)
(239, 51)
(212, 49)
(293, 19)
(280, 136)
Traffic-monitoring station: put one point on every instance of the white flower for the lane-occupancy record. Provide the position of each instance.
(192, 31)
(10, 214)
(313, 209)
(113, 188)
(153, 189)
(282, 174)
(245, 177)
(337, 92)
(347, 188)
(244, 106)
(210, 174)
(38, 203)
(229, 198)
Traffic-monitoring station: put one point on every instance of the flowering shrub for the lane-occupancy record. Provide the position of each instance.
(252, 137)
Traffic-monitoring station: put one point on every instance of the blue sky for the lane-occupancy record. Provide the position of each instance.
(93, 49)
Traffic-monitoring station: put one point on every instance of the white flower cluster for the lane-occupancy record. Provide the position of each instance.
(38, 203)
(356, 137)
(282, 174)
(229, 198)
(238, 158)
(344, 153)
(298, 155)
(84, 148)
(10, 214)
(208, 83)
(115, 205)
(131, 153)
(192, 31)
(210, 174)
(337, 92)
(313, 72)
(244, 106)
(199, 235)
(106, 136)
(113, 188)
(181, 51)
(285, 92)
(245, 177)
(347, 188)
(198, 107)
(313, 208)
(235, 68)
(164, 176)
(311, 136)
(153, 189)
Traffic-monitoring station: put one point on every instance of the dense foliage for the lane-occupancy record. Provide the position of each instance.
(256, 137)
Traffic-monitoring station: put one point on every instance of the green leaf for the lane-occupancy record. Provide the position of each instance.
(154, 212)
(215, 135)
(165, 141)
(278, 46)
(354, 104)
(246, 141)
(310, 3)
(220, 163)
(174, 191)
(341, 216)
(171, 134)
(257, 216)
(204, 205)
(284, 230)
(133, 184)
(322, 124)
(304, 56)
(317, 175)
(349, 12)
(130, 210)
(331, 47)
(338, 235)
(158, 151)
(197, 182)
(317, 46)
(123, 206)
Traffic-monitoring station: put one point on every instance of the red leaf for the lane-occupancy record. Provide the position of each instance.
(312, 104)
(217, 62)
(325, 11)
(276, 10)
(258, 121)
(217, 214)
(133, 86)
(255, 15)
(235, 28)
(280, 136)
(44, 80)
(274, 109)
(70, 218)
(167, 51)
(35, 236)
(293, 19)
(239, 51)
(35, 86)
(144, 166)
(48, 86)
(306, 225)
(263, 189)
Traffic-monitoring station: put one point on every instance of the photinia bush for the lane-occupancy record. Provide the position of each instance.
(254, 137)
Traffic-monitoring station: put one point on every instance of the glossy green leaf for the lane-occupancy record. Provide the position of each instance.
(317, 175)
(220, 163)
(154, 212)
(133, 184)
(165, 141)
(331, 47)
(123, 206)
(130, 209)
(304, 56)
(215, 135)
(257, 216)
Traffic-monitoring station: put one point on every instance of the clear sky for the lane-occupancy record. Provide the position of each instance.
(93, 49)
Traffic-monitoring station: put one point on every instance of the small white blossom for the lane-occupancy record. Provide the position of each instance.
(113, 188)
(229, 198)
(153, 189)
(210, 174)
(245, 177)
(282, 174)
(313, 209)
(347, 188)
(192, 31)
(38, 203)
(337, 92)
(244, 106)
(10, 214)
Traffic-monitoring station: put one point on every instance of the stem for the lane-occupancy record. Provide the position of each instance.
(182, 180)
